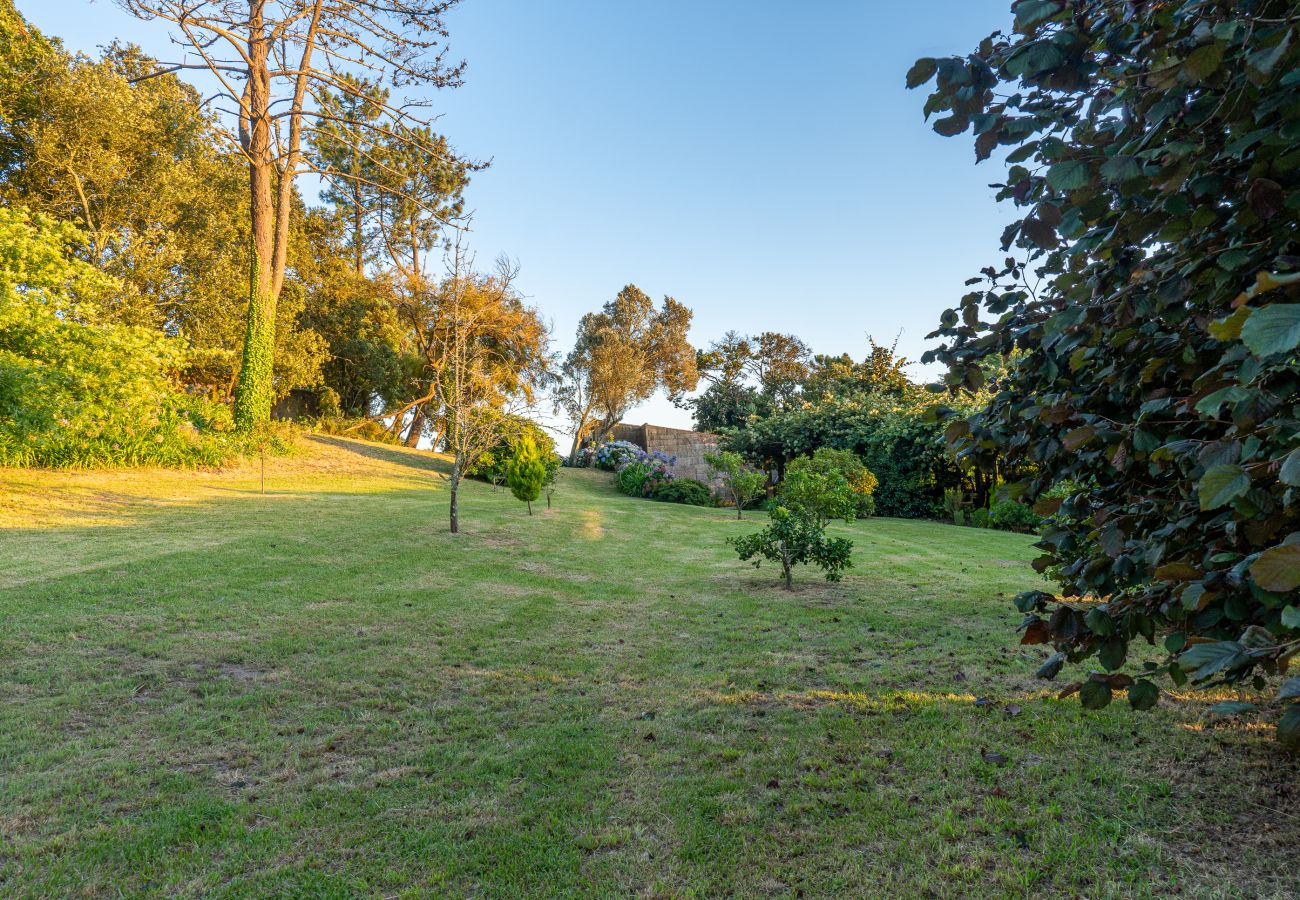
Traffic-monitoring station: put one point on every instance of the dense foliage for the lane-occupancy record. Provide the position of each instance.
(1152, 285)
(77, 388)
(845, 464)
(893, 436)
(611, 454)
(682, 490)
(644, 473)
(494, 464)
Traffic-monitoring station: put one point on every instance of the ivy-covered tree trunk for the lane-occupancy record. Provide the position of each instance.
(255, 393)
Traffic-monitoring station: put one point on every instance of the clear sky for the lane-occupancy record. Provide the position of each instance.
(759, 161)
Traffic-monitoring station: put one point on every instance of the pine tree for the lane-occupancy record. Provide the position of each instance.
(527, 473)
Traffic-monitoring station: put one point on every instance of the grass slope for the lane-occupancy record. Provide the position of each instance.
(206, 691)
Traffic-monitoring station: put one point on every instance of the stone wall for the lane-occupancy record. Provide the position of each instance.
(688, 446)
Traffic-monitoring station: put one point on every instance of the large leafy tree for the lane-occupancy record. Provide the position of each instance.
(273, 64)
(623, 354)
(344, 151)
(132, 158)
(1152, 283)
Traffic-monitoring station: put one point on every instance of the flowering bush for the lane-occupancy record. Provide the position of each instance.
(609, 455)
(641, 475)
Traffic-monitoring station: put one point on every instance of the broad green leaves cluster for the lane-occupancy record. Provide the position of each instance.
(1152, 286)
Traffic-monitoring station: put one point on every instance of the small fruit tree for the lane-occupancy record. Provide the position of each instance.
(741, 483)
(796, 535)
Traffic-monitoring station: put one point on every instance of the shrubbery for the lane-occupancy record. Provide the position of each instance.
(494, 465)
(1153, 166)
(683, 490)
(526, 472)
(641, 474)
(861, 482)
(78, 390)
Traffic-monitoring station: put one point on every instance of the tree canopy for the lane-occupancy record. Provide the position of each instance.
(1152, 285)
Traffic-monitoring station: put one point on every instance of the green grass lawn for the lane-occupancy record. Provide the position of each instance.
(207, 691)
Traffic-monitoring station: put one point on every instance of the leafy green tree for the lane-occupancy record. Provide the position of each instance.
(741, 483)
(723, 406)
(1154, 293)
(622, 355)
(554, 465)
(77, 388)
(846, 464)
(796, 534)
(880, 372)
(526, 474)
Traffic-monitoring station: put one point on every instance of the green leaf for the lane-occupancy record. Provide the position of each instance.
(1272, 329)
(1205, 660)
(1290, 689)
(1229, 327)
(1263, 61)
(1278, 568)
(1051, 667)
(1290, 473)
(1209, 405)
(1230, 708)
(1095, 694)
(1030, 12)
(1288, 727)
(922, 71)
(1143, 695)
(1113, 652)
(1291, 617)
(1069, 175)
(1221, 485)
(1204, 61)
(1119, 169)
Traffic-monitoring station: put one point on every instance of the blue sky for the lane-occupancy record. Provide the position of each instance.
(759, 161)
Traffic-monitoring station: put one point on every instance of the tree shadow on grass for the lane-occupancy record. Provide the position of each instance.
(400, 456)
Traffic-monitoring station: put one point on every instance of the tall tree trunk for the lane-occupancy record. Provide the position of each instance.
(417, 428)
(255, 392)
(358, 246)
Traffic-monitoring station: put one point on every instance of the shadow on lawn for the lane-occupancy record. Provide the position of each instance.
(414, 459)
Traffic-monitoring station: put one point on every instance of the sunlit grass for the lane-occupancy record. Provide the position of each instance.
(318, 691)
